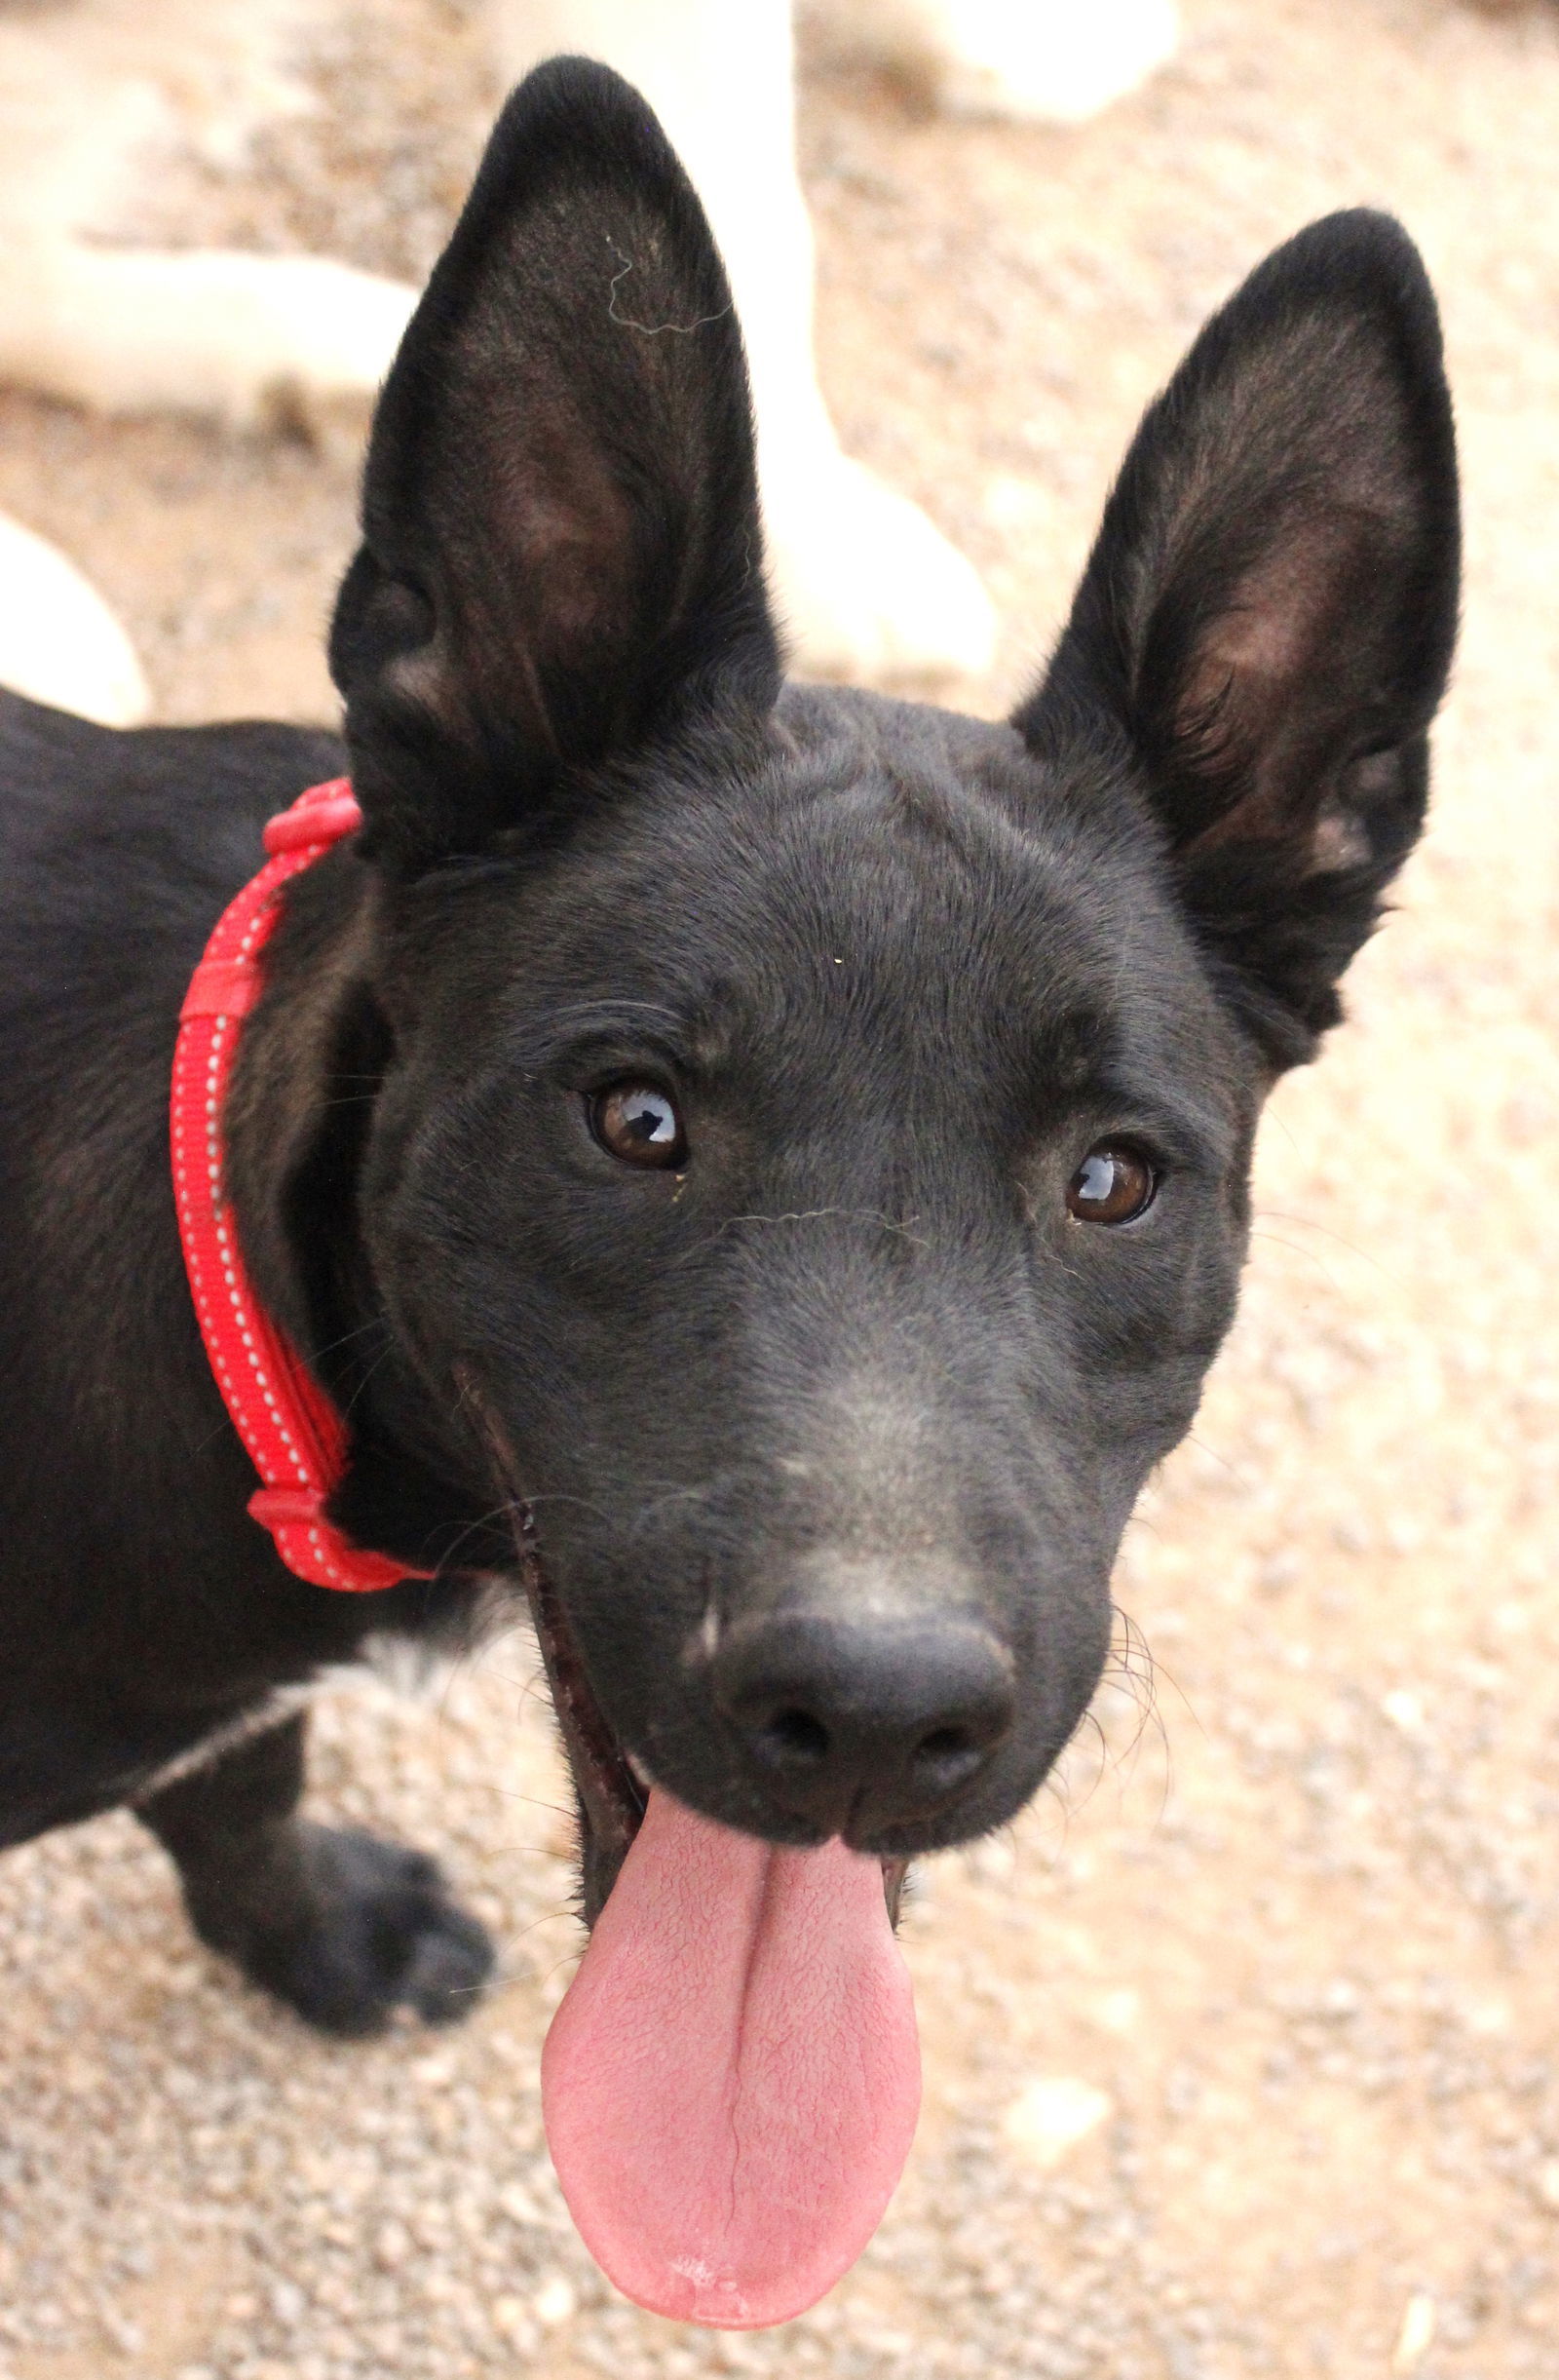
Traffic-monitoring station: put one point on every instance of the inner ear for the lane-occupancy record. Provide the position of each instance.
(1250, 712)
(537, 593)
(1280, 602)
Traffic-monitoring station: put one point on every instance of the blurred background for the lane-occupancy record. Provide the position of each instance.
(1242, 2046)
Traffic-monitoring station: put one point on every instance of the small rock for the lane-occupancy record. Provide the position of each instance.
(288, 2303)
(1417, 2334)
(1119, 2010)
(393, 2245)
(1052, 2115)
(508, 2315)
(554, 2302)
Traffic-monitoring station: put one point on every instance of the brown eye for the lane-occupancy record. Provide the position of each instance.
(640, 1124)
(1112, 1185)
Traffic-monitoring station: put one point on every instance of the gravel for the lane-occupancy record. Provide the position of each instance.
(1240, 2046)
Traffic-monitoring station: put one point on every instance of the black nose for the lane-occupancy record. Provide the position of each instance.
(859, 1726)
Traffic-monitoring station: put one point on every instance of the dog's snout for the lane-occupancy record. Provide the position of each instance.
(859, 1726)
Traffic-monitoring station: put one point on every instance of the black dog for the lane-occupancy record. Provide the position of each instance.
(792, 1145)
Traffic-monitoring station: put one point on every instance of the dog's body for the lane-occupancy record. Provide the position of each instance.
(796, 1143)
(164, 1632)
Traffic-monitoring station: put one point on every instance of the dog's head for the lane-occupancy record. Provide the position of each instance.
(802, 1139)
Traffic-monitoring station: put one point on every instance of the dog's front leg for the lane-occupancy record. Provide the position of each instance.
(342, 1927)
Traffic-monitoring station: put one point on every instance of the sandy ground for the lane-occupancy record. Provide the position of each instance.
(1279, 1947)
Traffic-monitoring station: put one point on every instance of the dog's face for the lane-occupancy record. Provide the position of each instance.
(810, 1143)
(837, 1201)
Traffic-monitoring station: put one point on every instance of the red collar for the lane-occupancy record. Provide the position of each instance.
(296, 1440)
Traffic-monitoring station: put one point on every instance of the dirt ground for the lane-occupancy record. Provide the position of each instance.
(1241, 2047)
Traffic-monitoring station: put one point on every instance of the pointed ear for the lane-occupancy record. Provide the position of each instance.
(561, 555)
(1265, 623)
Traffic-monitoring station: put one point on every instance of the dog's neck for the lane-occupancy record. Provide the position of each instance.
(298, 1121)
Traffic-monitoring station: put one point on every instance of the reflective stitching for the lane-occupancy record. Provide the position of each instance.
(285, 1420)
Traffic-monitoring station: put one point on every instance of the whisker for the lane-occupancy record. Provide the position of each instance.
(532, 1800)
(1307, 1222)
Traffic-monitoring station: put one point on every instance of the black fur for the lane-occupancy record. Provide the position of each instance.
(901, 970)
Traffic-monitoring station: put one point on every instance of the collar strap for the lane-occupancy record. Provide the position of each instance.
(296, 1438)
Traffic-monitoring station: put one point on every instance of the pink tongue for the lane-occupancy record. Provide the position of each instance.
(731, 2086)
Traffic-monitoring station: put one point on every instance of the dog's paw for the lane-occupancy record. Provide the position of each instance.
(247, 339)
(382, 1934)
(58, 640)
(868, 589)
(1035, 61)
(303, 340)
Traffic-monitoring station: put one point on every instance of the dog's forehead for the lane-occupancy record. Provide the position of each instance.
(884, 862)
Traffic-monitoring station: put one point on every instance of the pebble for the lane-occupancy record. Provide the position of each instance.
(1417, 2334)
(1051, 2114)
(554, 2302)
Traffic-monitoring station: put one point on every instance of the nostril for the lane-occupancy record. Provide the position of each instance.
(946, 1758)
(942, 1740)
(794, 1740)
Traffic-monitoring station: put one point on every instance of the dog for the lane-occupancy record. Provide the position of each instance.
(59, 641)
(763, 1167)
(95, 96)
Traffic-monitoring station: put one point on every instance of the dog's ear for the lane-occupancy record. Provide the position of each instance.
(561, 555)
(1265, 623)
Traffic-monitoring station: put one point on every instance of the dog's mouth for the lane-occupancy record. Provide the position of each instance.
(612, 1788)
(731, 2085)
(611, 1798)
